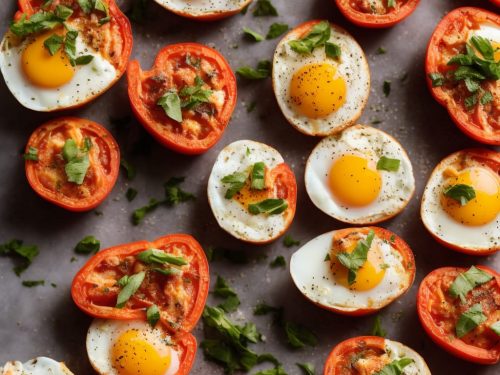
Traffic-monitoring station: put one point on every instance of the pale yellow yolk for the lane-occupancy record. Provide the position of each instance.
(132, 355)
(354, 180)
(45, 70)
(316, 91)
(368, 276)
(485, 207)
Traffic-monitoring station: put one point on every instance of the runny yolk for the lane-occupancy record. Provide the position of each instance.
(368, 276)
(248, 196)
(45, 70)
(496, 48)
(354, 180)
(132, 354)
(317, 91)
(485, 207)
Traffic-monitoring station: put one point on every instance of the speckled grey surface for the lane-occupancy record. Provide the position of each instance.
(44, 321)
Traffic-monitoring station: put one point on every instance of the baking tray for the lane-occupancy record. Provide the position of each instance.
(44, 320)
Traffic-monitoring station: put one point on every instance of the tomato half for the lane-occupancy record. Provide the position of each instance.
(47, 175)
(203, 10)
(366, 14)
(180, 296)
(178, 67)
(482, 122)
(438, 313)
(113, 39)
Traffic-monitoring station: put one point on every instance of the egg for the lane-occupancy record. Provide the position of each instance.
(321, 95)
(386, 274)
(209, 9)
(491, 32)
(473, 226)
(44, 82)
(233, 214)
(395, 351)
(37, 366)
(117, 347)
(343, 177)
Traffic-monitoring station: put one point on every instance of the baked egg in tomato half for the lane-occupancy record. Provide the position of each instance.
(36, 366)
(204, 10)
(359, 176)
(461, 202)
(252, 192)
(375, 356)
(353, 271)
(59, 55)
(321, 78)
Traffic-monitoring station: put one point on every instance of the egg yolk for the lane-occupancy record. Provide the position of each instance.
(368, 276)
(248, 196)
(316, 91)
(354, 180)
(132, 354)
(485, 207)
(496, 48)
(45, 70)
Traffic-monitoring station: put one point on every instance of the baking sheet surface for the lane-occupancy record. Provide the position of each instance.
(44, 321)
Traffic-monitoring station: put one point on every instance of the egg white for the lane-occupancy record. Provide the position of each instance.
(197, 8)
(442, 225)
(353, 67)
(370, 143)
(37, 366)
(88, 80)
(102, 335)
(489, 31)
(395, 350)
(313, 277)
(230, 214)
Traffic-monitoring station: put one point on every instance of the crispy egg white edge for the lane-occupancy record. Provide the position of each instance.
(230, 214)
(358, 85)
(320, 161)
(321, 281)
(481, 237)
(88, 81)
(396, 351)
(99, 341)
(36, 366)
(202, 7)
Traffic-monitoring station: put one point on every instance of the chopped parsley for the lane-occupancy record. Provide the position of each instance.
(466, 281)
(257, 176)
(157, 256)
(31, 154)
(140, 213)
(288, 241)
(153, 315)
(395, 367)
(276, 29)
(299, 336)
(131, 194)
(437, 79)
(386, 88)
(317, 37)
(270, 206)
(495, 327)
(253, 35)
(354, 260)
(88, 245)
(332, 50)
(307, 368)
(279, 261)
(129, 169)
(381, 50)
(33, 283)
(461, 193)
(236, 182)
(263, 70)
(388, 164)
(24, 254)
(264, 8)
(40, 21)
(377, 329)
(469, 320)
(130, 285)
(77, 160)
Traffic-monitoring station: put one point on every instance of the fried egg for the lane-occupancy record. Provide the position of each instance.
(42, 82)
(233, 214)
(320, 277)
(343, 180)
(37, 366)
(117, 347)
(475, 224)
(204, 8)
(321, 95)
(491, 32)
(396, 351)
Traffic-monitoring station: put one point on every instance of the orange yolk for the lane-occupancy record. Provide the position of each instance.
(368, 276)
(354, 180)
(248, 196)
(485, 207)
(45, 70)
(316, 91)
(132, 355)
(496, 48)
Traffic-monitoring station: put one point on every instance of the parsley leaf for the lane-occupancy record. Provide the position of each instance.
(288, 241)
(354, 261)
(236, 181)
(264, 8)
(139, 214)
(153, 315)
(307, 368)
(53, 43)
(87, 245)
(270, 206)
(387, 88)
(388, 164)
(32, 283)
(377, 329)
(276, 29)
(193, 96)
(317, 37)
(257, 176)
(174, 194)
(279, 261)
(437, 79)
(299, 336)
(263, 309)
(40, 21)
(332, 50)
(461, 193)
(77, 160)
(130, 171)
(466, 281)
(130, 285)
(391, 3)
(223, 290)
(264, 68)
(470, 320)
(32, 154)
(171, 104)
(486, 98)
(381, 51)
(395, 367)
(495, 327)
(131, 194)
(255, 36)
(157, 256)
(25, 254)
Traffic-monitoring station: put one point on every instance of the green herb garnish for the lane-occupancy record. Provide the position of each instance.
(299, 336)
(354, 261)
(87, 245)
(131, 194)
(130, 285)
(257, 176)
(271, 206)
(153, 315)
(33, 283)
(25, 254)
(157, 256)
(377, 329)
(279, 261)
(388, 164)
(77, 160)
(395, 367)
(253, 35)
(307, 368)
(466, 281)
(276, 29)
(317, 37)
(32, 154)
(461, 193)
(264, 8)
(470, 320)
(288, 241)
(236, 181)
(262, 71)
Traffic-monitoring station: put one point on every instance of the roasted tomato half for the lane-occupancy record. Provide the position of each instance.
(463, 68)
(72, 162)
(377, 13)
(325, 272)
(374, 355)
(63, 54)
(186, 100)
(459, 309)
(204, 10)
(122, 282)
